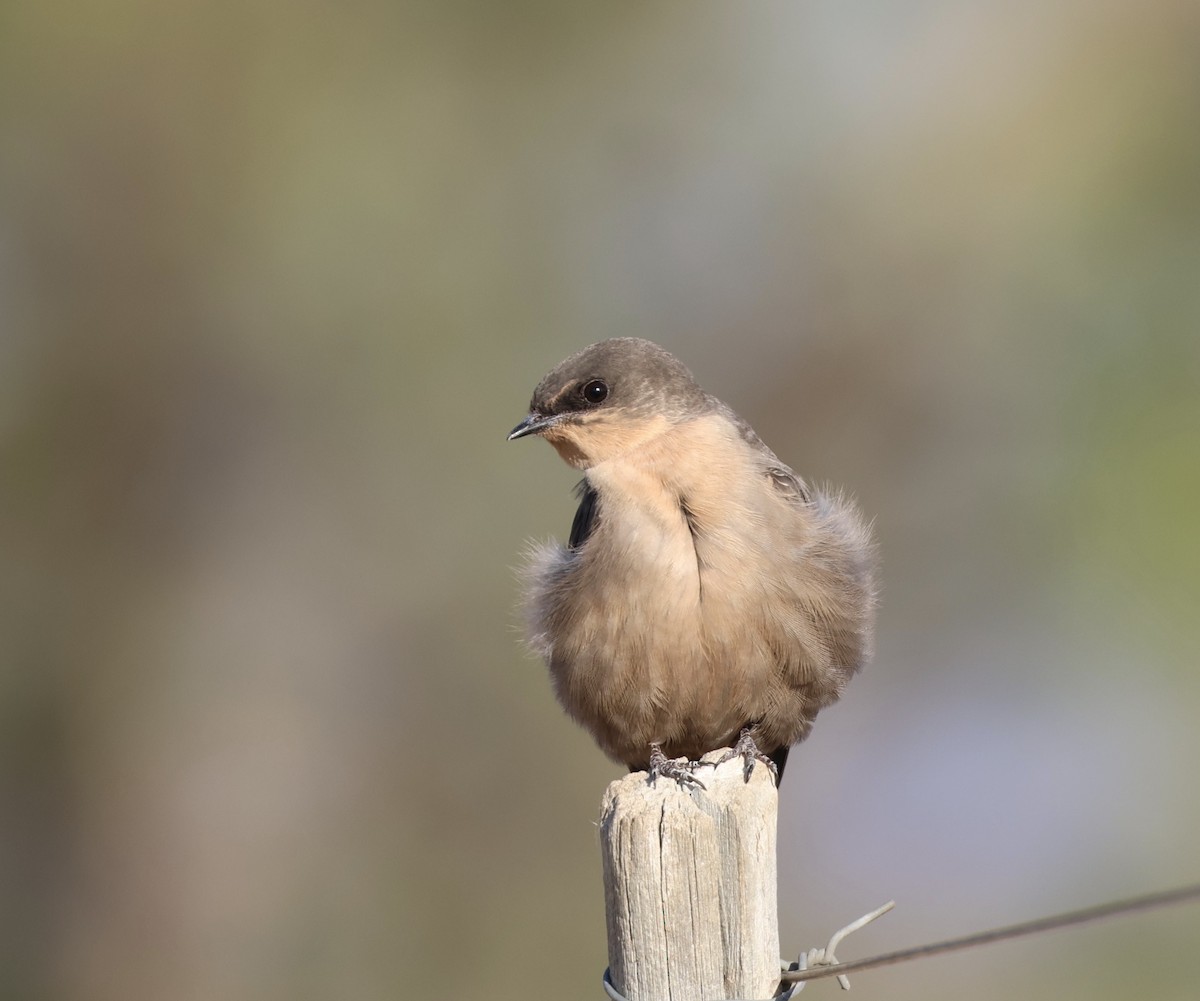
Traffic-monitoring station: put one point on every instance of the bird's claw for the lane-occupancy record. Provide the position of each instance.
(748, 751)
(682, 772)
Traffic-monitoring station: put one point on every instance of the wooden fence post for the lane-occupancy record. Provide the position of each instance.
(690, 886)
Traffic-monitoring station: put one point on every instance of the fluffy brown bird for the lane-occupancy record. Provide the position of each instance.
(707, 595)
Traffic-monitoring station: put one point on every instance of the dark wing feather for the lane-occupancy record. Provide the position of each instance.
(585, 516)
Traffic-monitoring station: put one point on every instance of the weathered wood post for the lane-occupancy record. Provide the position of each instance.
(690, 886)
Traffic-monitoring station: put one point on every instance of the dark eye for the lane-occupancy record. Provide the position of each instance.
(594, 392)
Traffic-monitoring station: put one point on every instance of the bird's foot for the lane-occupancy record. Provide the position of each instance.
(748, 751)
(682, 772)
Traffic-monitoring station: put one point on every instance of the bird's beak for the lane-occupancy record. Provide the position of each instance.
(533, 424)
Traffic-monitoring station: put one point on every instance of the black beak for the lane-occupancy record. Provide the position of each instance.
(533, 424)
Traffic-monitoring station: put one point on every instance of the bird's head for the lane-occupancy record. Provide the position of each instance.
(608, 398)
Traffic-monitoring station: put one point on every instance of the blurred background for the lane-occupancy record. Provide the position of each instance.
(277, 278)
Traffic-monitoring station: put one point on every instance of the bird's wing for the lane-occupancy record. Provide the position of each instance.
(585, 516)
(789, 484)
(782, 478)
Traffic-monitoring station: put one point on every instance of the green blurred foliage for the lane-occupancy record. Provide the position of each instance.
(275, 280)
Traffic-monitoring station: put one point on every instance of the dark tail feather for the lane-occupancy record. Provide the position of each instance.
(779, 756)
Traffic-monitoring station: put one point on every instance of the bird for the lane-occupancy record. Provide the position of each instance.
(707, 596)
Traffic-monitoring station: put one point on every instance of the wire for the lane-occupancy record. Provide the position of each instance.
(1180, 895)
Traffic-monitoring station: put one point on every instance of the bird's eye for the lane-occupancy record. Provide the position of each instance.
(594, 392)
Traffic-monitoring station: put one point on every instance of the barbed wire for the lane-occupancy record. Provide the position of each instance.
(1149, 901)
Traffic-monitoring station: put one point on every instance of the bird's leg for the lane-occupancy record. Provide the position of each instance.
(748, 750)
(681, 772)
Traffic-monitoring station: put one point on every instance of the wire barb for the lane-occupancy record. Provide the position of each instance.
(818, 957)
